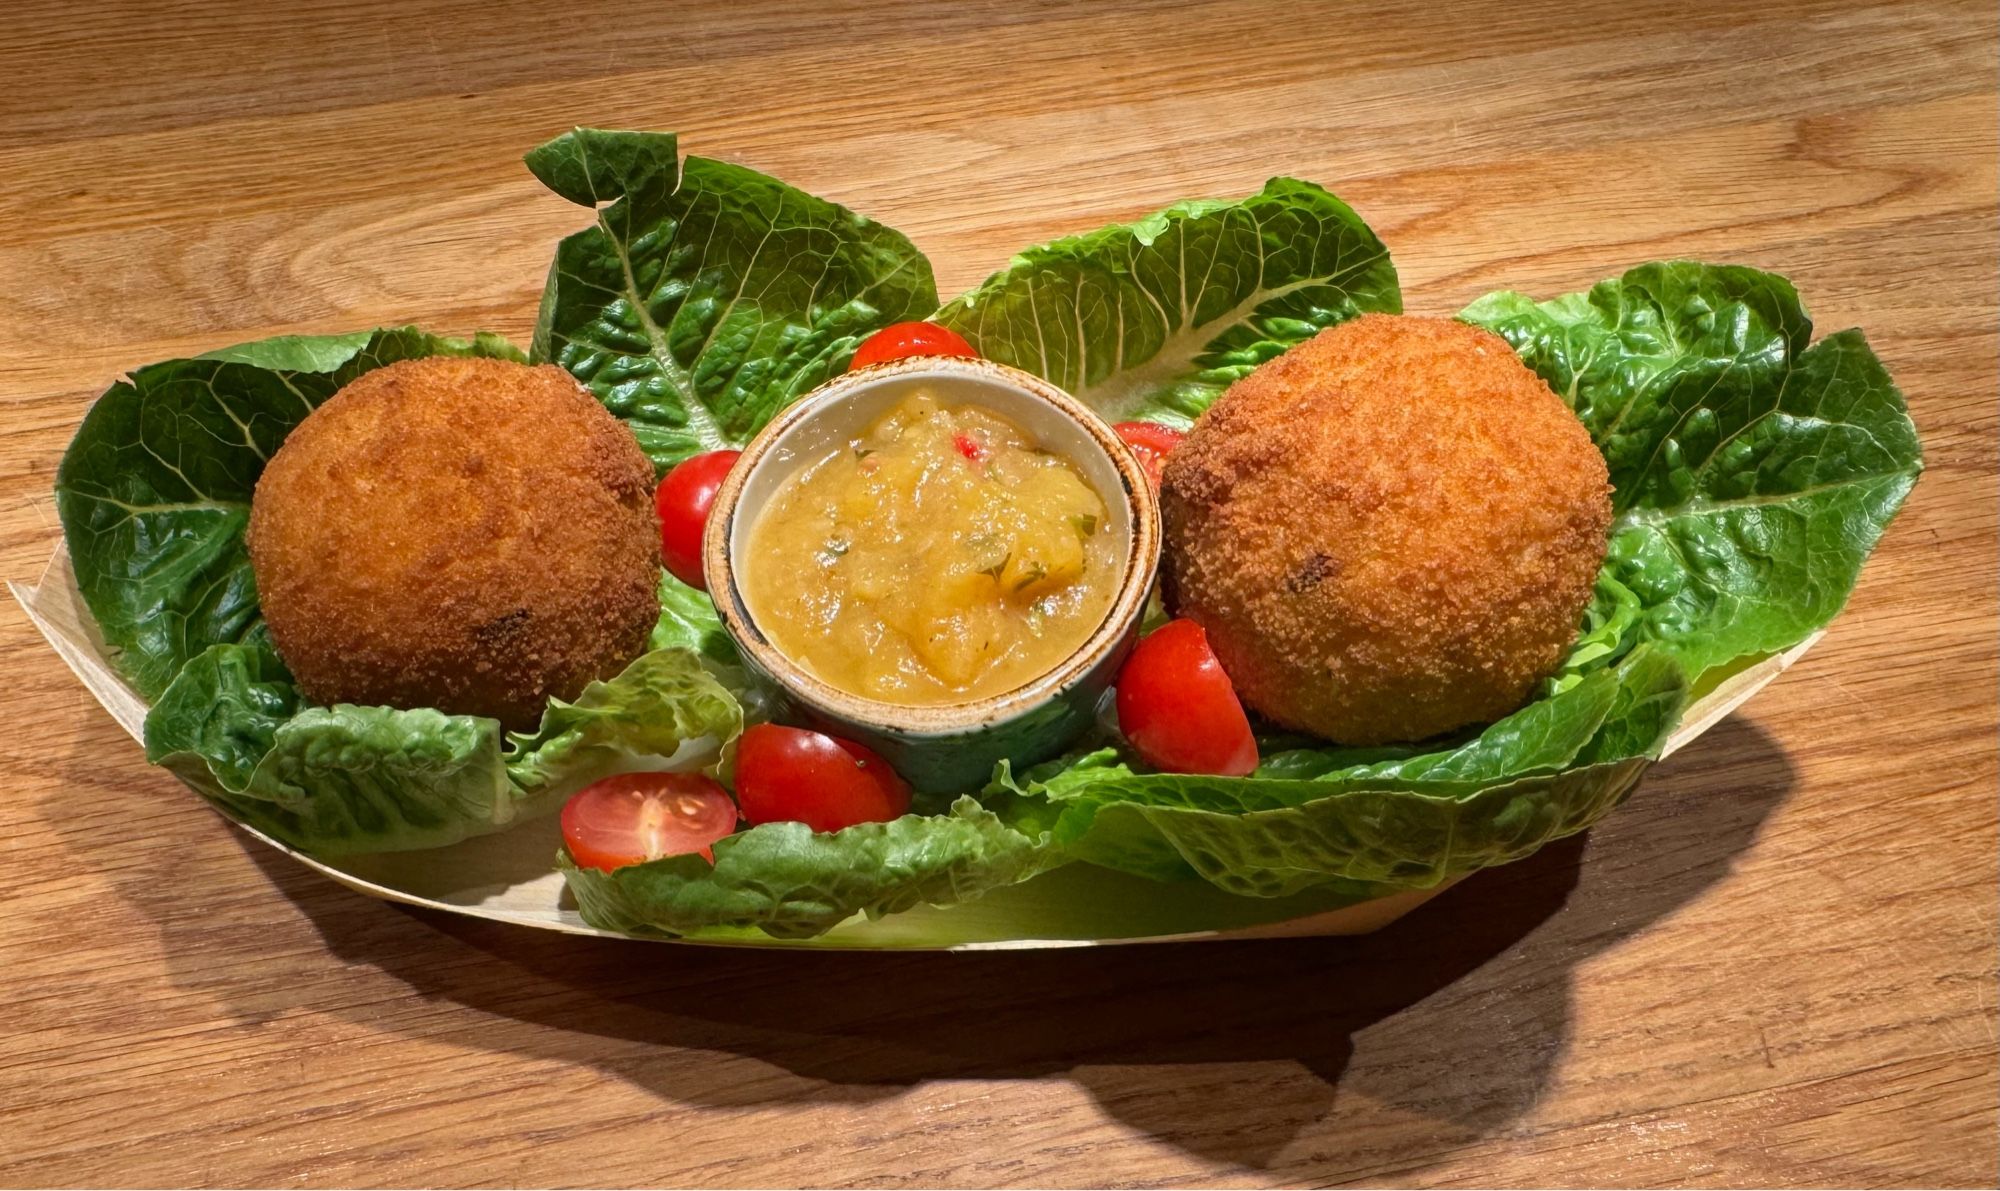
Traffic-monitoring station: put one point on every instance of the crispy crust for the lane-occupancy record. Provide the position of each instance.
(472, 535)
(1390, 531)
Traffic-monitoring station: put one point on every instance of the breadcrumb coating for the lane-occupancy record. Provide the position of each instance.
(467, 534)
(1389, 532)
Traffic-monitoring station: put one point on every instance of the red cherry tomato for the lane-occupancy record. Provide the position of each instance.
(636, 817)
(1152, 443)
(1178, 708)
(683, 500)
(900, 340)
(811, 778)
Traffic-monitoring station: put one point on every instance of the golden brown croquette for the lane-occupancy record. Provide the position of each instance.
(1389, 531)
(472, 535)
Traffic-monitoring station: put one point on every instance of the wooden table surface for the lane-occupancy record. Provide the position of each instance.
(1776, 965)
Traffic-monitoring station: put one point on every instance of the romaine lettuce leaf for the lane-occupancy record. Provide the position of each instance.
(1309, 817)
(707, 296)
(1545, 734)
(1753, 473)
(1609, 625)
(154, 491)
(790, 883)
(688, 619)
(663, 700)
(332, 780)
(1154, 319)
(1387, 837)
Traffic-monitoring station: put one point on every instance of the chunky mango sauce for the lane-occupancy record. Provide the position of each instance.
(939, 557)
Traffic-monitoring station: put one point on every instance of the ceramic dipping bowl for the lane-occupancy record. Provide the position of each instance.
(951, 746)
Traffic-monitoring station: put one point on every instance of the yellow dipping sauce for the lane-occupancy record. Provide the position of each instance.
(939, 557)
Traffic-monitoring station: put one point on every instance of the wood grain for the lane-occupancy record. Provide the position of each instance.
(1775, 966)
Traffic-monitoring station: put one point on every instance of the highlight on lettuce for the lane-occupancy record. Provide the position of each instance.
(1754, 471)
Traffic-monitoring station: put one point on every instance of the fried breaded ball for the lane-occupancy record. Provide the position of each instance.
(1388, 532)
(472, 535)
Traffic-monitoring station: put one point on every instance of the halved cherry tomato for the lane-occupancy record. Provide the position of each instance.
(1152, 443)
(1177, 707)
(811, 778)
(635, 817)
(900, 340)
(683, 500)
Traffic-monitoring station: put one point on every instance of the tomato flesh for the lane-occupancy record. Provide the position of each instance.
(1152, 443)
(1178, 709)
(683, 500)
(899, 341)
(631, 818)
(793, 775)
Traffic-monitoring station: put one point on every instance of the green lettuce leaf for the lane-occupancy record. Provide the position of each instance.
(325, 779)
(708, 296)
(1154, 319)
(688, 619)
(638, 720)
(1387, 838)
(333, 780)
(1753, 473)
(1547, 771)
(1610, 627)
(1543, 735)
(154, 491)
(789, 882)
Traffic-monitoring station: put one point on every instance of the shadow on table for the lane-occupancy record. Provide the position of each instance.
(1333, 1053)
